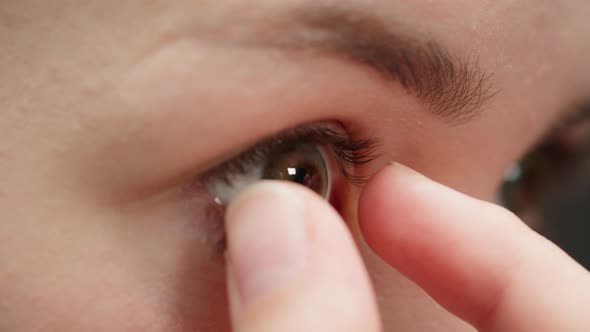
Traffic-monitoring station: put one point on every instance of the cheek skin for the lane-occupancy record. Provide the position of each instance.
(97, 268)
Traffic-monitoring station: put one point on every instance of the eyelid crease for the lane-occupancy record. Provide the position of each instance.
(348, 150)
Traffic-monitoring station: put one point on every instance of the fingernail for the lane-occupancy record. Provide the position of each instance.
(267, 240)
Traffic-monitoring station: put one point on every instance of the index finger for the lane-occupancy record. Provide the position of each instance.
(476, 259)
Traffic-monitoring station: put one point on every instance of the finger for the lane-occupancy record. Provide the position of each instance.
(476, 259)
(293, 266)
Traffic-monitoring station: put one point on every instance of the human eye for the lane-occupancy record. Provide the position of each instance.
(321, 156)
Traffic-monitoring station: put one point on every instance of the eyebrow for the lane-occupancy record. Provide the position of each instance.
(451, 88)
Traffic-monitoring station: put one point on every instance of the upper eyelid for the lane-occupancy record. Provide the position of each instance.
(349, 151)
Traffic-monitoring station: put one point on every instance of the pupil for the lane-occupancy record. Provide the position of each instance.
(298, 174)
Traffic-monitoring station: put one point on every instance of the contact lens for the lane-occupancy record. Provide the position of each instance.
(306, 164)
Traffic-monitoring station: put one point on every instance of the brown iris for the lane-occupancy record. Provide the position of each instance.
(304, 164)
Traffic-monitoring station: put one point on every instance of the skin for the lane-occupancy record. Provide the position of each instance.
(110, 107)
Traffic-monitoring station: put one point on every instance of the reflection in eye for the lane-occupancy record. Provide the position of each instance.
(312, 155)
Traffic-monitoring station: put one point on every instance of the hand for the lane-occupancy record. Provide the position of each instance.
(293, 265)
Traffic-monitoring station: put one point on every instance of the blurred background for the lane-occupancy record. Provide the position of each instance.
(550, 188)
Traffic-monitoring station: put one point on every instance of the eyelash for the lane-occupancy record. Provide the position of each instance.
(349, 152)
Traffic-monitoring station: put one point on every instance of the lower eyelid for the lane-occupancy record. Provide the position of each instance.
(340, 196)
(222, 191)
(207, 219)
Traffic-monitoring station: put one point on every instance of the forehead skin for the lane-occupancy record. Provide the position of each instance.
(108, 104)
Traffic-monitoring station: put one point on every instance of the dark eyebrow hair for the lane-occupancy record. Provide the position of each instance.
(451, 88)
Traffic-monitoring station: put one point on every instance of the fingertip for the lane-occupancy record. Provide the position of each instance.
(262, 191)
(388, 194)
(417, 226)
(267, 239)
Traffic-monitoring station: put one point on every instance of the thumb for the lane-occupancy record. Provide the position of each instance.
(293, 266)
